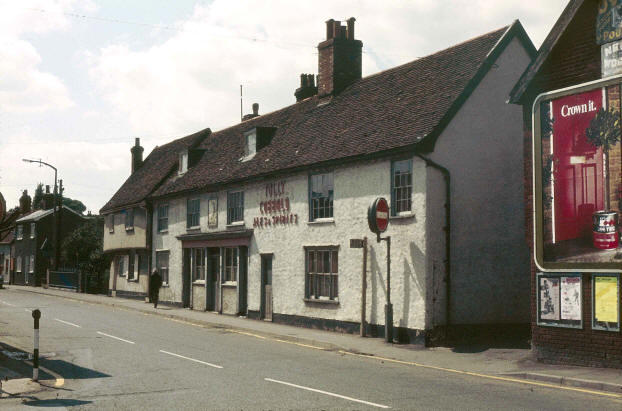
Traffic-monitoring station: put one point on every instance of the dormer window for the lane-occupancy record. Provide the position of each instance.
(183, 162)
(250, 147)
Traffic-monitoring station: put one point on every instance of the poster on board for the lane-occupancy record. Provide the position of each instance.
(549, 298)
(570, 289)
(606, 299)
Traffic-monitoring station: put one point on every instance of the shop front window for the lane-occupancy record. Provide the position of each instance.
(322, 273)
(231, 265)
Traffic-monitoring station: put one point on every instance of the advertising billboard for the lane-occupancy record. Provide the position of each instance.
(578, 178)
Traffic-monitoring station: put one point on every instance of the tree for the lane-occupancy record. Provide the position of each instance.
(604, 131)
(84, 247)
(37, 200)
(75, 205)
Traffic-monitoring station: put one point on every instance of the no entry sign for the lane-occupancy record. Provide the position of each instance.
(378, 215)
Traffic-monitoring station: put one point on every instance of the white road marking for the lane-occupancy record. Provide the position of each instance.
(9, 304)
(67, 322)
(328, 393)
(190, 359)
(116, 338)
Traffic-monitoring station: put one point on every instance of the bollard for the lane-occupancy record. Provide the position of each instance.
(36, 314)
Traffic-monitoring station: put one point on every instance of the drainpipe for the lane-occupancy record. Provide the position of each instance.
(447, 178)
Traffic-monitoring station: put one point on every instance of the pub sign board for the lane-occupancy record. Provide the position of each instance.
(571, 178)
(609, 21)
(611, 58)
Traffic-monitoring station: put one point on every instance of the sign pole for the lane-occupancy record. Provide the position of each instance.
(364, 288)
(388, 308)
(36, 314)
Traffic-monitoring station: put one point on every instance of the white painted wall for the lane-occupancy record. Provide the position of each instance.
(483, 149)
(122, 239)
(356, 186)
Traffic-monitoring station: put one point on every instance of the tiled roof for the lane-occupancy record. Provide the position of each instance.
(395, 108)
(158, 164)
(545, 49)
(39, 214)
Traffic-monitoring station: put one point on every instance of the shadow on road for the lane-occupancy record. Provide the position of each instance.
(56, 402)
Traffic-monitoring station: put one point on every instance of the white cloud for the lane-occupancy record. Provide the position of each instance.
(24, 87)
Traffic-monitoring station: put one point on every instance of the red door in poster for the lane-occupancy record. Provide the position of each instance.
(578, 165)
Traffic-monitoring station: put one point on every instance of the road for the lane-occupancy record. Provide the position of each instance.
(100, 357)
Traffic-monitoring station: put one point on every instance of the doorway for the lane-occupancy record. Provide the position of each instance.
(265, 310)
(211, 280)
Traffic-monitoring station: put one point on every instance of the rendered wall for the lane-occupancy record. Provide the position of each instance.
(120, 238)
(483, 149)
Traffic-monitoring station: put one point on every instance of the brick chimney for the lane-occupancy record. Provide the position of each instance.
(137, 155)
(25, 202)
(340, 58)
(307, 87)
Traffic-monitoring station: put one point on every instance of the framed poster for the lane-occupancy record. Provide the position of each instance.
(577, 200)
(560, 300)
(212, 212)
(606, 302)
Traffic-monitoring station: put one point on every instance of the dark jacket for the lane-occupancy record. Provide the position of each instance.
(155, 282)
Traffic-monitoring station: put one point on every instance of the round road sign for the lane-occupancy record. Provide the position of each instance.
(378, 215)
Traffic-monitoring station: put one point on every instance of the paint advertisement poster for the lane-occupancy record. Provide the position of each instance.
(606, 299)
(549, 298)
(570, 289)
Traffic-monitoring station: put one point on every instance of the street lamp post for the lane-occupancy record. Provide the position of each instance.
(56, 220)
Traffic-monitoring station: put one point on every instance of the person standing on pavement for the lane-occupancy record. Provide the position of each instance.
(155, 282)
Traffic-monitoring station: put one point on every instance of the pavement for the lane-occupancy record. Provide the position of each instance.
(504, 363)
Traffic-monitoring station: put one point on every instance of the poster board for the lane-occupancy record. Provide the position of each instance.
(560, 300)
(606, 302)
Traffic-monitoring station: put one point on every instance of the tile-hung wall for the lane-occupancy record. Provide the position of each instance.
(301, 288)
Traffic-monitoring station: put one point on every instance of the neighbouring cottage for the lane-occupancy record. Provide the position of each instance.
(256, 219)
(570, 96)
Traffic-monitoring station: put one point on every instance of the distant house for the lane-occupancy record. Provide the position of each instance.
(256, 219)
(33, 244)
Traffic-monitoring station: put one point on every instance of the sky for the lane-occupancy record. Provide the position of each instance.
(80, 80)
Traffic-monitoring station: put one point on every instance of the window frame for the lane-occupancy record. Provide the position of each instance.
(111, 223)
(163, 270)
(395, 201)
(33, 230)
(18, 264)
(238, 208)
(312, 275)
(129, 219)
(182, 163)
(162, 219)
(192, 214)
(231, 271)
(31, 264)
(328, 209)
(19, 232)
(248, 153)
(198, 264)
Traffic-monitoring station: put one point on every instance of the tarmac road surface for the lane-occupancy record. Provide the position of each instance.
(101, 357)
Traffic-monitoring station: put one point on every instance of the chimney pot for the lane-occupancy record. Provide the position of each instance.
(350, 33)
(255, 109)
(330, 29)
(137, 155)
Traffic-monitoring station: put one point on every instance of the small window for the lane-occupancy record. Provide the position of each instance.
(163, 217)
(131, 267)
(121, 266)
(321, 196)
(250, 147)
(162, 265)
(19, 232)
(129, 219)
(235, 207)
(193, 215)
(198, 271)
(31, 266)
(33, 228)
(401, 186)
(111, 223)
(18, 264)
(321, 278)
(231, 264)
(183, 162)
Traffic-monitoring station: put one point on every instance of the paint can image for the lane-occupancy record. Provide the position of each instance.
(605, 230)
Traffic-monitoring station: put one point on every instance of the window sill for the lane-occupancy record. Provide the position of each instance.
(193, 229)
(235, 224)
(231, 284)
(321, 301)
(198, 282)
(163, 232)
(401, 216)
(132, 280)
(322, 221)
(129, 229)
(164, 285)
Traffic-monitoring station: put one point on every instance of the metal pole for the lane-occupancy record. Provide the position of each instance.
(388, 308)
(364, 288)
(36, 314)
